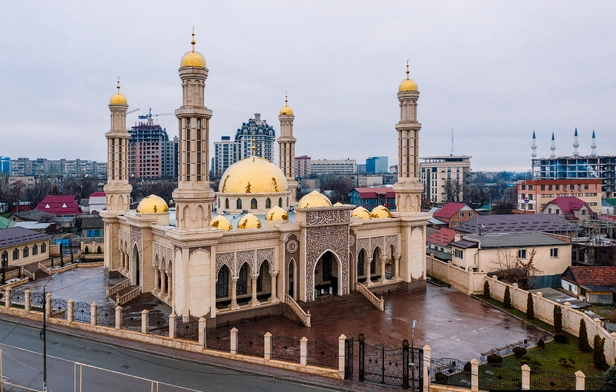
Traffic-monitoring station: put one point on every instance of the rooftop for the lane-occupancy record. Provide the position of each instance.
(513, 240)
(18, 235)
(520, 223)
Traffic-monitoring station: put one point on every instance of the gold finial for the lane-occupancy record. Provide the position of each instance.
(118, 85)
(407, 69)
(286, 99)
(193, 39)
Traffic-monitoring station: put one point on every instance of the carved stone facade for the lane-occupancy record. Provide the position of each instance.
(320, 240)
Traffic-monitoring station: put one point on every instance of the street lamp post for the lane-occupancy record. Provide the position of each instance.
(413, 353)
(44, 334)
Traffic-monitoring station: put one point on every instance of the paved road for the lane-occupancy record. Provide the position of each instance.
(22, 363)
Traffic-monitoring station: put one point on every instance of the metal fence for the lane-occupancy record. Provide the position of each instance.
(187, 329)
(493, 377)
(250, 343)
(594, 383)
(552, 380)
(131, 321)
(59, 307)
(450, 371)
(322, 354)
(106, 315)
(37, 300)
(218, 339)
(158, 323)
(18, 298)
(285, 348)
(81, 312)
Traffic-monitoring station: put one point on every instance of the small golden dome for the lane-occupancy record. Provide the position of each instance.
(314, 199)
(253, 175)
(407, 84)
(338, 204)
(152, 205)
(380, 212)
(360, 212)
(192, 58)
(222, 223)
(249, 221)
(286, 110)
(276, 214)
(118, 98)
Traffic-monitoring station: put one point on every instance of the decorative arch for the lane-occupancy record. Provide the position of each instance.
(268, 203)
(338, 260)
(227, 203)
(280, 202)
(253, 204)
(200, 215)
(238, 203)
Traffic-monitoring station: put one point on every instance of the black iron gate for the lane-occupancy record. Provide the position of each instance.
(348, 358)
(402, 367)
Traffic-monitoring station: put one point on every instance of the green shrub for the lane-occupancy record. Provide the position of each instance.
(486, 290)
(507, 300)
(583, 337)
(530, 308)
(558, 318)
(495, 359)
(561, 337)
(567, 363)
(541, 344)
(599, 355)
(533, 363)
(441, 378)
(468, 367)
(519, 351)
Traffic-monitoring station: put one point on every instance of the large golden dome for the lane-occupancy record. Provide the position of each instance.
(192, 58)
(152, 205)
(407, 84)
(360, 212)
(253, 175)
(222, 223)
(380, 212)
(276, 214)
(249, 221)
(314, 199)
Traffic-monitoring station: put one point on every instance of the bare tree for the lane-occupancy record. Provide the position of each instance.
(453, 191)
(37, 193)
(340, 186)
(515, 270)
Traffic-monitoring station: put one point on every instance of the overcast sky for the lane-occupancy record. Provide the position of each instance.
(491, 71)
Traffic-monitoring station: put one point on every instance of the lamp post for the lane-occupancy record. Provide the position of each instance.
(413, 353)
(44, 334)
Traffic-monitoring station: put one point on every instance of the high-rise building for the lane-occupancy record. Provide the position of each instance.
(302, 166)
(333, 166)
(377, 165)
(443, 176)
(258, 133)
(151, 153)
(5, 165)
(226, 153)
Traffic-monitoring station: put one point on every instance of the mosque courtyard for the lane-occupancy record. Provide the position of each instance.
(453, 324)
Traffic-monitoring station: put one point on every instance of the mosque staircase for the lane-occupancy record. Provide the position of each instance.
(334, 307)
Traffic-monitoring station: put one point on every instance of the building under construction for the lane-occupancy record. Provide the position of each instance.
(595, 244)
(151, 154)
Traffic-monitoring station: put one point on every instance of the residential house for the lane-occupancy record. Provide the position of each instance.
(517, 223)
(372, 197)
(438, 244)
(571, 208)
(453, 214)
(593, 284)
(22, 247)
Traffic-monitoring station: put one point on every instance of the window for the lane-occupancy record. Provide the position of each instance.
(543, 187)
(242, 282)
(523, 187)
(557, 187)
(549, 210)
(222, 284)
(43, 247)
(470, 214)
(530, 187)
(557, 211)
(280, 202)
(584, 212)
(554, 252)
(227, 204)
(34, 249)
(530, 196)
(549, 187)
(253, 204)
(15, 254)
(360, 264)
(459, 253)
(268, 203)
(26, 252)
(238, 204)
(5, 259)
(461, 215)
(521, 253)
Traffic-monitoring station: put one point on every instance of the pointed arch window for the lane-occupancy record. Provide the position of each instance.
(238, 204)
(253, 204)
(34, 249)
(375, 257)
(15, 254)
(43, 247)
(5, 259)
(227, 204)
(360, 263)
(268, 203)
(26, 252)
(242, 281)
(280, 202)
(222, 284)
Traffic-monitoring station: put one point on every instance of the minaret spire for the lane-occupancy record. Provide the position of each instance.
(593, 146)
(534, 146)
(575, 143)
(553, 147)
(286, 147)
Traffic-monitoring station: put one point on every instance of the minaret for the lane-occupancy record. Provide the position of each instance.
(593, 146)
(534, 146)
(117, 190)
(408, 188)
(193, 196)
(575, 143)
(553, 147)
(286, 148)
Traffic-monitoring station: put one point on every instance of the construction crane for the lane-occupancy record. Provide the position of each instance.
(150, 116)
(133, 111)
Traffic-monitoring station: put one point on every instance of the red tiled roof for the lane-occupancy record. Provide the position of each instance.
(442, 237)
(59, 205)
(368, 193)
(568, 204)
(594, 275)
(449, 210)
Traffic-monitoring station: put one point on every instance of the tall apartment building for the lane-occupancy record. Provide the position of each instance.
(5, 165)
(333, 166)
(533, 195)
(151, 153)
(302, 166)
(439, 172)
(258, 133)
(57, 167)
(377, 165)
(226, 152)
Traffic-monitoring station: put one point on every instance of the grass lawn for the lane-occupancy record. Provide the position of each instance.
(517, 313)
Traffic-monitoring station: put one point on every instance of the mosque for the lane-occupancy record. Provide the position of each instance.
(251, 248)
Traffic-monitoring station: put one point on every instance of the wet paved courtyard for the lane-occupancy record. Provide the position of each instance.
(453, 324)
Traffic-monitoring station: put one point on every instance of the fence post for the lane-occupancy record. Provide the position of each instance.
(405, 364)
(70, 310)
(48, 297)
(426, 368)
(362, 341)
(267, 346)
(7, 297)
(172, 317)
(144, 320)
(341, 353)
(474, 374)
(580, 381)
(93, 313)
(27, 300)
(566, 319)
(303, 351)
(525, 377)
(118, 317)
(233, 341)
(202, 326)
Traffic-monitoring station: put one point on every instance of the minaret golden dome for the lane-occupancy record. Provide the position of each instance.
(314, 199)
(152, 205)
(276, 214)
(192, 58)
(407, 84)
(222, 223)
(360, 212)
(249, 221)
(380, 212)
(118, 98)
(286, 110)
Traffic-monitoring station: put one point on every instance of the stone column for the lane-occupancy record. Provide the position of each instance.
(93, 313)
(7, 297)
(397, 267)
(267, 346)
(369, 273)
(169, 286)
(163, 283)
(426, 366)
(383, 262)
(47, 304)
(27, 300)
(233, 341)
(341, 354)
(234, 304)
(274, 276)
(118, 317)
(474, 374)
(253, 283)
(70, 309)
(202, 326)
(172, 317)
(303, 351)
(144, 320)
(156, 280)
(525, 377)
(580, 381)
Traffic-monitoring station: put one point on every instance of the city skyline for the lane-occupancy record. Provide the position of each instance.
(542, 67)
